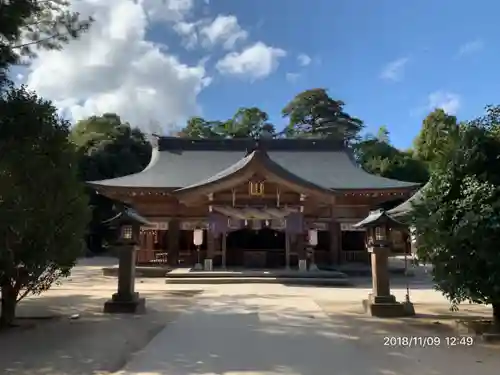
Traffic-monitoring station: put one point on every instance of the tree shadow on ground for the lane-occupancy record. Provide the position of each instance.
(245, 333)
(94, 343)
(251, 334)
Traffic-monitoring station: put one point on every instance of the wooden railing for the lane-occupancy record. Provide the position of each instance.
(359, 256)
(151, 257)
(160, 257)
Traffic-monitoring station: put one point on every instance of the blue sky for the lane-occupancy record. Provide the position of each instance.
(447, 47)
(157, 62)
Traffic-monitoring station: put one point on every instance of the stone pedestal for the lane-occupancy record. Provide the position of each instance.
(126, 300)
(208, 265)
(381, 302)
(119, 304)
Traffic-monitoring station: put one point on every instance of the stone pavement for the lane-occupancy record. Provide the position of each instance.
(255, 332)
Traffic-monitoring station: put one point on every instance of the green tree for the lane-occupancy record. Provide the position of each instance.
(198, 127)
(437, 128)
(377, 156)
(27, 25)
(313, 113)
(490, 121)
(458, 219)
(246, 123)
(43, 207)
(107, 148)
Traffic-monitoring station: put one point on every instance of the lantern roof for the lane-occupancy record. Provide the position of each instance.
(127, 216)
(377, 218)
(404, 210)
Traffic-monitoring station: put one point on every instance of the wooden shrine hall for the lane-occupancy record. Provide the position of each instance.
(253, 203)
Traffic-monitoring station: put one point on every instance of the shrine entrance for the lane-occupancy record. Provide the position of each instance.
(256, 248)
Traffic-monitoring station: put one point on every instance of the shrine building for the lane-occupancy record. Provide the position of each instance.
(255, 200)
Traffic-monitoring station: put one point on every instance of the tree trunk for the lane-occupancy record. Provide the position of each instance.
(9, 302)
(496, 314)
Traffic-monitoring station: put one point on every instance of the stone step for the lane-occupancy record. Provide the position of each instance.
(261, 280)
(257, 274)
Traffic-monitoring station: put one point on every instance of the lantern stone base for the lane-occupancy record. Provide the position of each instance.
(131, 304)
(387, 307)
(198, 267)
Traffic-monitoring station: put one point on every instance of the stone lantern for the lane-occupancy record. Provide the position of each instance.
(126, 299)
(381, 302)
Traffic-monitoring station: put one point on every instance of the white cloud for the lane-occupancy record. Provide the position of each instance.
(471, 47)
(394, 71)
(159, 10)
(303, 59)
(254, 62)
(189, 33)
(448, 101)
(223, 30)
(292, 77)
(112, 68)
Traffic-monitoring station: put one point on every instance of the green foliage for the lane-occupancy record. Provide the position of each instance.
(490, 121)
(376, 155)
(27, 25)
(437, 130)
(43, 207)
(246, 123)
(109, 148)
(198, 127)
(458, 220)
(314, 113)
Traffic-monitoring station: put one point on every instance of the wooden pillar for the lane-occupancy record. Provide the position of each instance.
(224, 248)
(208, 263)
(335, 242)
(210, 244)
(173, 242)
(301, 252)
(287, 250)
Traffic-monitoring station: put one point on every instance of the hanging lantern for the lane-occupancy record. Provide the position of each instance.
(198, 237)
(313, 237)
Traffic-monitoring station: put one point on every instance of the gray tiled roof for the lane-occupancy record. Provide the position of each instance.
(333, 170)
(183, 168)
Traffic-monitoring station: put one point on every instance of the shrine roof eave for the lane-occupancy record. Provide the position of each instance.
(256, 161)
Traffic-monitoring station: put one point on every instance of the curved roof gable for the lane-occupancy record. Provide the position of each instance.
(243, 169)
